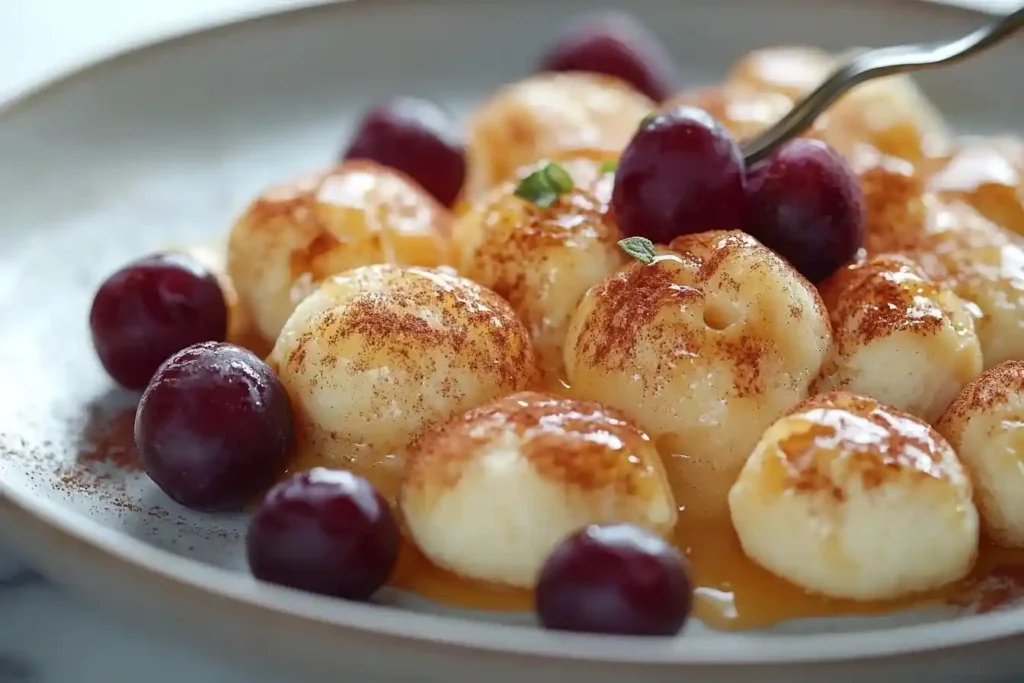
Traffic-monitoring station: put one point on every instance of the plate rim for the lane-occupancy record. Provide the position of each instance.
(129, 556)
(100, 59)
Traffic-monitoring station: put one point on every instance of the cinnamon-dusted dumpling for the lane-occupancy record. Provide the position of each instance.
(889, 114)
(377, 354)
(850, 498)
(988, 174)
(491, 494)
(543, 259)
(356, 214)
(895, 203)
(792, 70)
(892, 115)
(701, 349)
(545, 114)
(984, 265)
(986, 427)
(899, 338)
(954, 245)
(745, 111)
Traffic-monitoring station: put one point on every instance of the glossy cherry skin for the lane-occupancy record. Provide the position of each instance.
(214, 427)
(681, 173)
(324, 531)
(615, 579)
(806, 204)
(614, 44)
(418, 138)
(151, 309)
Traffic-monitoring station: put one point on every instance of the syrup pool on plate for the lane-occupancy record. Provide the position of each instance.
(731, 592)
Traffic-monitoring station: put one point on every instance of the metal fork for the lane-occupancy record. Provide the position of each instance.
(876, 63)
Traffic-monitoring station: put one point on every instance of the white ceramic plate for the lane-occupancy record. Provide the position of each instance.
(166, 145)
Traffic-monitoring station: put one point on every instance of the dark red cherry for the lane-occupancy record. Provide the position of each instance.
(418, 138)
(681, 173)
(806, 203)
(214, 427)
(616, 579)
(615, 44)
(151, 309)
(324, 531)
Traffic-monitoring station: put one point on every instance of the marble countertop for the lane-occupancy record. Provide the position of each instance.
(46, 635)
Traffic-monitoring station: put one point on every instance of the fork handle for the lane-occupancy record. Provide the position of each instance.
(871, 64)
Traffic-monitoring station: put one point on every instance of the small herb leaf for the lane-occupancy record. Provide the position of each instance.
(647, 119)
(558, 178)
(640, 248)
(543, 186)
(609, 166)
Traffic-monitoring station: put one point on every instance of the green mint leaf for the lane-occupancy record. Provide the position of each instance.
(545, 185)
(557, 178)
(609, 166)
(640, 248)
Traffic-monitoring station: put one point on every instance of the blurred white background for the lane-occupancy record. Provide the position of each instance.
(42, 38)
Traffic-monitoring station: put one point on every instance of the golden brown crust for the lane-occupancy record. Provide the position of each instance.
(309, 200)
(876, 442)
(988, 174)
(580, 444)
(354, 214)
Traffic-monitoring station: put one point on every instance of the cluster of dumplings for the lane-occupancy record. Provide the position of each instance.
(506, 374)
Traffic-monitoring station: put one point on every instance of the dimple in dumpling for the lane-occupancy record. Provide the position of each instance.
(898, 337)
(491, 494)
(377, 354)
(543, 260)
(294, 235)
(545, 114)
(703, 348)
(849, 498)
(985, 425)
